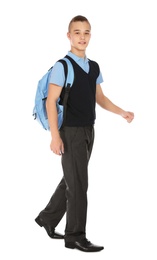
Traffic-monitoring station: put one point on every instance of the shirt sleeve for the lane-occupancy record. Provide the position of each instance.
(57, 75)
(99, 79)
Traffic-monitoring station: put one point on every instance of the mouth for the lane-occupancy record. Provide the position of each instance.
(82, 43)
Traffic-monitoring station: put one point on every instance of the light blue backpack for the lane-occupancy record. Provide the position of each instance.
(39, 110)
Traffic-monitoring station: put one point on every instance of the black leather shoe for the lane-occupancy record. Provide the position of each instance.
(50, 231)
(84, 245)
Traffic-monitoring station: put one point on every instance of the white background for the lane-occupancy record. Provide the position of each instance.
(122, 172)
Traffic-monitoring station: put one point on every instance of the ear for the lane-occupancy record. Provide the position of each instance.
(68, 35)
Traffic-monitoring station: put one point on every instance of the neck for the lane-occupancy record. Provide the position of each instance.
(79, 53)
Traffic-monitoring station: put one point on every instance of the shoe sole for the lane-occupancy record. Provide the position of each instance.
(70, 245)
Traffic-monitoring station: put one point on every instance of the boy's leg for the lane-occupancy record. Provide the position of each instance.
(78, 143)
(55, 209)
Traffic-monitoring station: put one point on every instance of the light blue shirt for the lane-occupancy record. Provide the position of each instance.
(57, 75)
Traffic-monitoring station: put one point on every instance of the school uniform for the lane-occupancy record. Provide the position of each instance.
(77, 134)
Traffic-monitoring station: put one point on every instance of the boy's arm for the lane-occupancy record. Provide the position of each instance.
(53, 95)
(105, 103)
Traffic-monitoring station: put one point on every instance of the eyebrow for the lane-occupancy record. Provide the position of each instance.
(77, 30)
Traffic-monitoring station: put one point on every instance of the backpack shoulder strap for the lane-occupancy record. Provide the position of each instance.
(70, 75)
(69, 78)
(65, 68)
(69, 72)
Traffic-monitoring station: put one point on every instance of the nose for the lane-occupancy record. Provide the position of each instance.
(82, 36)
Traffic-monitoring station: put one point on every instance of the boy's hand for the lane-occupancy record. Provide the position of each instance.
(57, 145)
(129, 116)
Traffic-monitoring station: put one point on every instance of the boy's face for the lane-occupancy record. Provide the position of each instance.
(79, 36)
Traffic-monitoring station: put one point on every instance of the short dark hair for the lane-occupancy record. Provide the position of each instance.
(78, 18)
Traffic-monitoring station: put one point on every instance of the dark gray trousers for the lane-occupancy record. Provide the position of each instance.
(70, 195)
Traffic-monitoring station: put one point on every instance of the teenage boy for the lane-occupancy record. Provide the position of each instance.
(74, 141)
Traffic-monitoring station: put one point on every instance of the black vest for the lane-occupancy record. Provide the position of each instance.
(82, 96)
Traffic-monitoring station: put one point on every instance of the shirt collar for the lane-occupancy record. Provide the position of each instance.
(76, 58)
